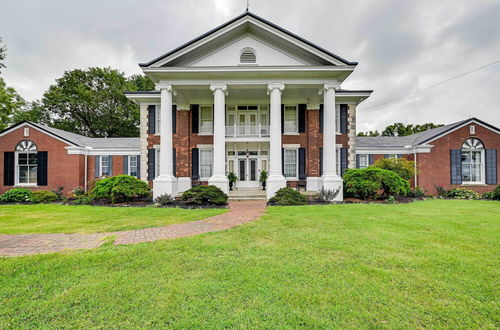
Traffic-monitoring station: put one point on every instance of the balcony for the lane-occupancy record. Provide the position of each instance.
(248, 131)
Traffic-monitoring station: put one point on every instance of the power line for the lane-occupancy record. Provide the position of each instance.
(431, 86)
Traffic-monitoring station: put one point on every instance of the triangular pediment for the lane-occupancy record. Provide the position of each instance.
(273, 46)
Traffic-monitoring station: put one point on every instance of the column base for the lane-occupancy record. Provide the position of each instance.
(314, 183)
(183, 184)
(164, 185)
(273, 184)
(220, 181)
(334, 182)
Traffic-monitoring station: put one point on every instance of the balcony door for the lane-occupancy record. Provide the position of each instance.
(247, 123)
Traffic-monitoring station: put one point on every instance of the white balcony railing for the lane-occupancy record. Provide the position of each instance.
(247, 131)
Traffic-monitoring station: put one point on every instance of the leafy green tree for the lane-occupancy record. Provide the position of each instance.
(400, 129)
(92, 102)
(403, 167)
(3, 54)
(369, 133)
(10, 103)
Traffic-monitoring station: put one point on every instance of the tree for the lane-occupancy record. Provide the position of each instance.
(3, 54)
(10, 103)
(92, 102)
(400, 129)
(403, 167)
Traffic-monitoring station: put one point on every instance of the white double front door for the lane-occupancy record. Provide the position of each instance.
(248, 172)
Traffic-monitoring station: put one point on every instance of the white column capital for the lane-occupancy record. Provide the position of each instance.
(161, 86)
(331, 85)
(222, 87)
(274, 86)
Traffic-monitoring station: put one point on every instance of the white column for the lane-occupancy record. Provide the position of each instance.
(331, 179)
(218, 177)
(165, 183)
(276, 180)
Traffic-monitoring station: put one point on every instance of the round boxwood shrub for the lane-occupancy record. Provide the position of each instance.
(288, 196)
(496, 193)
(463, 193)
(366, 183)
(16, 195)
(120, 188)
(204, 195)
(43, 196)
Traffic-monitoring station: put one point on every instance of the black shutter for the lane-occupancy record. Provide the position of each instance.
(357, 161)
(125, 165)
(386, 156)
(343, 160)
(195, 161)
(491, 166)
(138, 167)
(456, 166)
(151, 164)
(343, 118)
(110, 164)
(282, 118)
(96, 166)
(283, 161)
(320, 161)
(174, 161)
(41, 168)
(321, 114)
(302, 118)
(302, 163)
(370, 160)
(174, 118)
(8, 168)
(195, 108)
(151, 119)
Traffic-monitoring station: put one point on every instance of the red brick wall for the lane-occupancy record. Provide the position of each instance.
(63, 169)
(434, 168)
(183, 141)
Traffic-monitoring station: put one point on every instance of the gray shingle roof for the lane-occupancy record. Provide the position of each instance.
(84, 141)
(402, 141)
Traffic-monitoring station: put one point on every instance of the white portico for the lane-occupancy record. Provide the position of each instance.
(252, 94)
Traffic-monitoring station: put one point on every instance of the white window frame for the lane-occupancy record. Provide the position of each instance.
(337, 118)
(157, 119)
(101, 165)
(482, 164)
(366, 160)
(200, 123)
(129, 165)
(285, 131)
(200, 151)
(296, 177)
(17, 167)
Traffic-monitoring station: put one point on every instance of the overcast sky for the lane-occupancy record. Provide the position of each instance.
(401, 45)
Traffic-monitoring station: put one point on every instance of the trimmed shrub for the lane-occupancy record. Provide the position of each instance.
(83, 200)
(43, 196)
(288, 196)
(401, 166)
(488, 195)
(120, 188)
(443, 193)
(496, 193)
(365, 183)
(16, 195)
(390, 200)
(416, 193)
(326, 196)
(78, 192)
(463, 193)
(164, 199)
(204, 195)
(59, 192)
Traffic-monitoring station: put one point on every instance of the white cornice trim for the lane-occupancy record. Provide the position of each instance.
(460, 126)
(103, 151)
(392, 150)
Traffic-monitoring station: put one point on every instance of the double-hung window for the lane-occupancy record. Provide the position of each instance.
(206, 119)
(472, 161)
(363, 161)
(290, 163)
(290, 119)
(105, 166)
(26, 163)
(132, 166)
(206, 163)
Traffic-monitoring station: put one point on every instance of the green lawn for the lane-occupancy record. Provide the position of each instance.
(52, 218)
(427, 264)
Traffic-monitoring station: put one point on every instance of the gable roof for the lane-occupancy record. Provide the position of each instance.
(80, 140)
(247, 14)
(416, 139)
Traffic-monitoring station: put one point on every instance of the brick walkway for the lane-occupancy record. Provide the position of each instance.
(239, 213)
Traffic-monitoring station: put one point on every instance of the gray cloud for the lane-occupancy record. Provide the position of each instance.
(402, 46)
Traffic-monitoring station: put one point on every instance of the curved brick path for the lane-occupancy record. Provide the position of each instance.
(239, 213)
